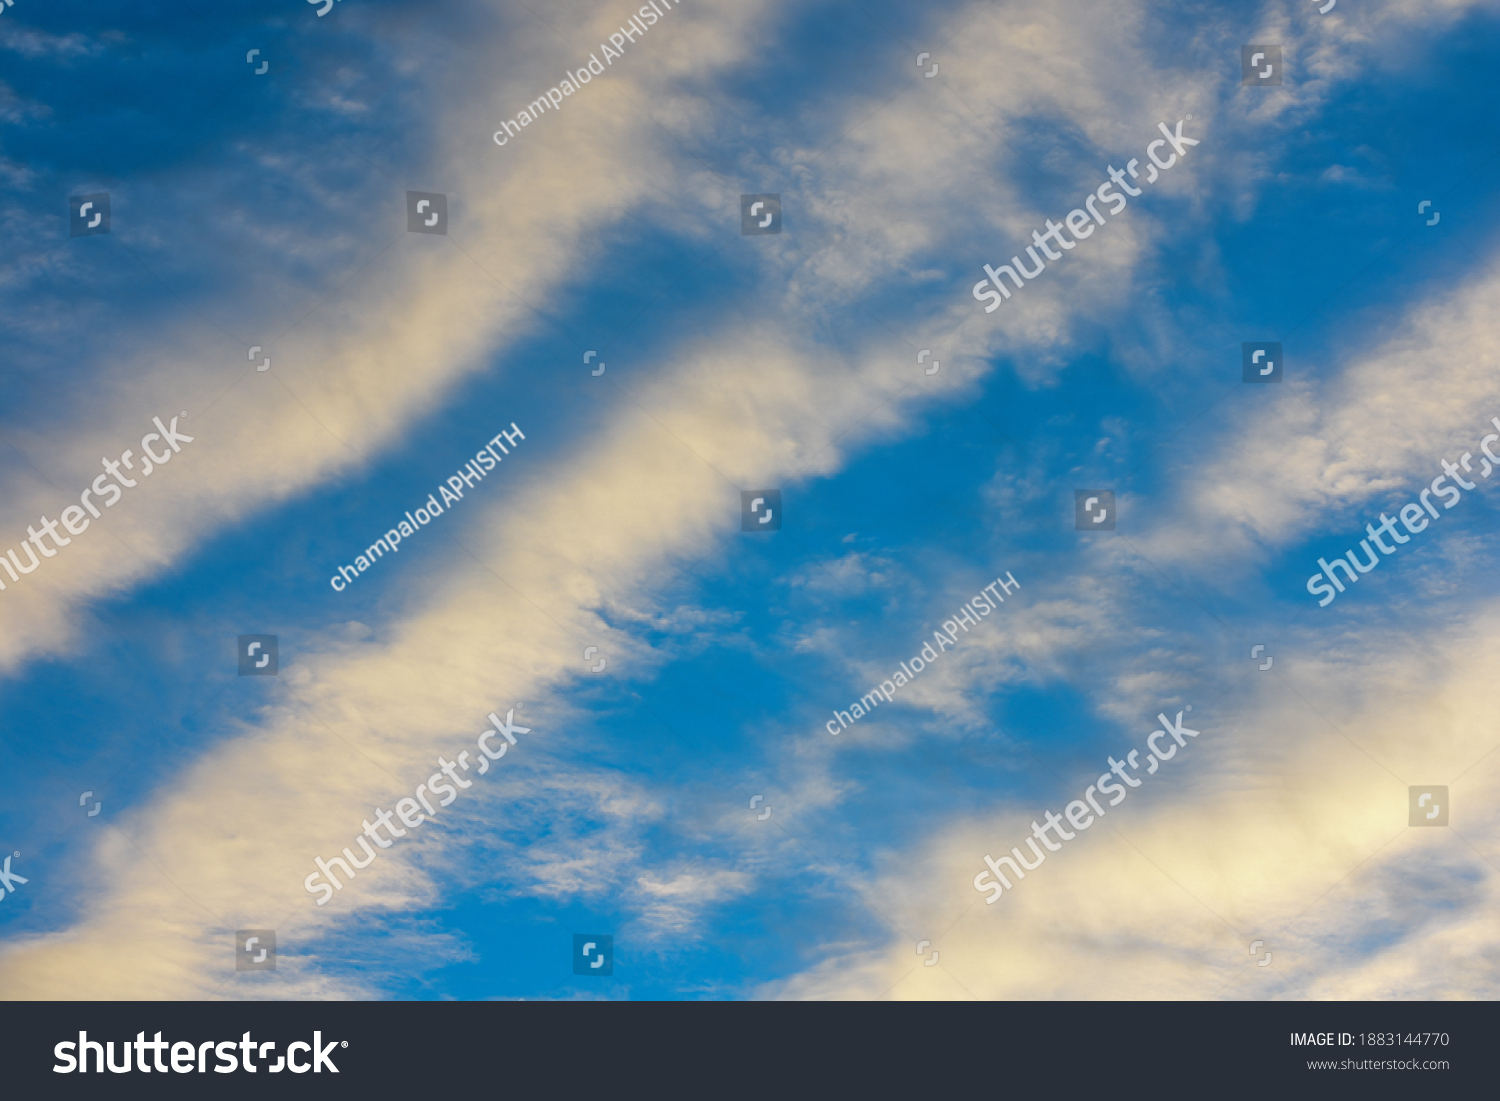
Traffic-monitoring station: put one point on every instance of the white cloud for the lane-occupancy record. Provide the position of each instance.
(1277, 824)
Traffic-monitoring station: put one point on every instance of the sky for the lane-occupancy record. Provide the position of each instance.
(593, 288)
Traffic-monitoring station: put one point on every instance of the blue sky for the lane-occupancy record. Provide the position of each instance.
(270, 211)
